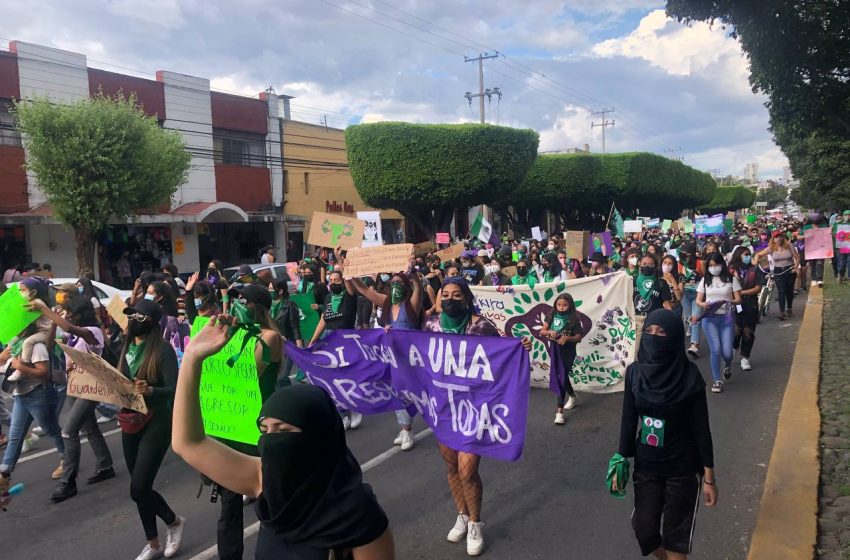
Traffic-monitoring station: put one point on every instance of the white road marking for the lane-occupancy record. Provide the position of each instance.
(370, 464)
(49, 451)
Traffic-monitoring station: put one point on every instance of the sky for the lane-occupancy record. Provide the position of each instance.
(676, 90)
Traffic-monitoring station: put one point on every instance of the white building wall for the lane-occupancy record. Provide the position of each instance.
(53, 244)
(58, 75)
(273, 145)
(189, 260)
(188, 110)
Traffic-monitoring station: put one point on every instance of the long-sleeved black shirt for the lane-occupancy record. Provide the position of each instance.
(162, 395)
(681, 446)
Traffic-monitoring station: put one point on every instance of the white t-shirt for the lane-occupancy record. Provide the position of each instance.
(28, 383)
(266, 259)
(719, 291)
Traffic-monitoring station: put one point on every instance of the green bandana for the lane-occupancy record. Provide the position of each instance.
(336, 301)
(687, 273)
(454, 325)
(559, 321)
(547, 277)
(276, 307)
(305, 287)
(397, 293)
(632, 272)
(134, 358)
(618, 465)
(644, 285)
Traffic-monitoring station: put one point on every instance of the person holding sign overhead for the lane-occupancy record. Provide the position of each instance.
(311, 499)
(152, 365)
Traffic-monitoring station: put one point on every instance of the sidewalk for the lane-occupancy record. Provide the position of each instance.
(834, 518)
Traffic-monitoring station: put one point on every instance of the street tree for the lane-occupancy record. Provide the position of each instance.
(729, 198)
(428, 171)
(97, 159)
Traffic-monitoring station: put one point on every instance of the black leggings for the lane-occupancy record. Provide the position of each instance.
(785, 286)
(745, 326)
(144, 453)
(568, 356)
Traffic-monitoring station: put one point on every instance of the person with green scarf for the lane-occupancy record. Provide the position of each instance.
(650, 293)
(564, 328)
(524, 276)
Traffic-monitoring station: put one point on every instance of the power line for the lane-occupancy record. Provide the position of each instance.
(605, 123)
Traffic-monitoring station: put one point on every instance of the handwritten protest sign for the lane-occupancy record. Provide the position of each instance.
(94, 379)
(330, 230)
(443, 238)
(309, 317)
(842, 238)
(536, 233)
(606, 312)
(576, 244)
(372, 234)
(14, 317)
(366, 261)
(116, 308)
(230, 396)
(632, 226)
(424, 248)
(666, 225)
(450, 254)
(471, 390)
(818, 243)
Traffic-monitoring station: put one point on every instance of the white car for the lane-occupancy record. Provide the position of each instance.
(103, 292)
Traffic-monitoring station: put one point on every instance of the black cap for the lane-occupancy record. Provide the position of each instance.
(146, 307)
(253, 293)
(597, 257)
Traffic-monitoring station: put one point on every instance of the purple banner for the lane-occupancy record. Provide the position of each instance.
(471, 390)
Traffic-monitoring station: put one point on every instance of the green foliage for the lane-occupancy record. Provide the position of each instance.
(401, 165)
(99, 158)
(726, 199)
(774, 195)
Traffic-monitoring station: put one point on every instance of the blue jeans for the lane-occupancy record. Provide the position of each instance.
(842, 266)
(720, 334)
(689, 309)
(40, 403)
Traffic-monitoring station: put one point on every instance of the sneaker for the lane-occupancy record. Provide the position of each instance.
(790, 312)
(356, 419)
(727, 373)
(174, 537)
(105, 420)
(57, 472)
(781, 317)
(814, 283)
(717, 387)
(458, 532)
(149, 553)
(745, 364)
(559, 418)
(64, 491)
(406, 440)
(475, 539)
(820, 283)
(397, 440)
(38, 430)
(346, 423)
(571, 402)
(101, 475)
(693, 351)
(29, 443)
(14, 376)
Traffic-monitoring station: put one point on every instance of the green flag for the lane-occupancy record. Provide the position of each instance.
(618, 222)
(481, 228)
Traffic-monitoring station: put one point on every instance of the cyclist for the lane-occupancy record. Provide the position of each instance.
(785, 261)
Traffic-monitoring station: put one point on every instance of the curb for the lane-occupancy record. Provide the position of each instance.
(786, 526)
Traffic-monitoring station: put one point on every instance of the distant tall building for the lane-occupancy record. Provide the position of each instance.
(751, 172)
(786, 175)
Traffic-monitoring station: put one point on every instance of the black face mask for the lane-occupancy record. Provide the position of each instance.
(140, 329)
(308, 277)
(647, 270)
(337, 289)
(211, 271)
(454, 307)
(522, 271)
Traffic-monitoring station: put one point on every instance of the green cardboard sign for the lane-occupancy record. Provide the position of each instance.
(230, 396)
(751, 218)
(666, 225)
(728, 225)
(689, 225)
(309, 316)
(14, 317)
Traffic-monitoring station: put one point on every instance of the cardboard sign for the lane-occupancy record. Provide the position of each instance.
(818, 243)
(116, 308)
(666, 225)
(842, 238)
(450, 254)
(443, 238)
(536, 234)
(330, 230)
(576, 244)
(632, 226)
(424, 248)
(730, 216)
(365, 261)
(688, 225)
(94, 379)
(14, 317)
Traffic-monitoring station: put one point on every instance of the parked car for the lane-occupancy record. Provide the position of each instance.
(103, 292)
(277, 270)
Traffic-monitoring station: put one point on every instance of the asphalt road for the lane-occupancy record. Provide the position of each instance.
(551, 504)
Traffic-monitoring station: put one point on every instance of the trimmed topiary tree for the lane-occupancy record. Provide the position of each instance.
(729, 198)
(427, 171)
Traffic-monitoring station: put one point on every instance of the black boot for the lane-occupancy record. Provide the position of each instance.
(101, 475)
(64, 491)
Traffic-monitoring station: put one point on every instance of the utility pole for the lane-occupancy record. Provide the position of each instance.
(604, 124)
(482, 93)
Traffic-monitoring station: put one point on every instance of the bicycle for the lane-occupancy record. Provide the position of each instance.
(767, 293)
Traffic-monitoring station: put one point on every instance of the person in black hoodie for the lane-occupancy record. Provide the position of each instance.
(665, 427)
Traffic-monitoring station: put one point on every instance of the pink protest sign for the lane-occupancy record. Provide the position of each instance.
(443, 238)
(818, 243)
(842, 238)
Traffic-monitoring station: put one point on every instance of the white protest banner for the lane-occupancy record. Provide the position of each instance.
(451, 253)
(632, 226)
(535, 233)
(372, 235)
(94, 379)
(116, 308)
(330, 230)
(366, 261)
(606, 312)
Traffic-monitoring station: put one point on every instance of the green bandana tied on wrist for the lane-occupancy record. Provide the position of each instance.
(619, 466)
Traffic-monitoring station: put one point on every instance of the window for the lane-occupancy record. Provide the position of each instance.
(306, 183)
(285, 181)
(232, 147)
(8, 135)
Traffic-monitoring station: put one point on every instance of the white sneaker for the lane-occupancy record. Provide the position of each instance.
(475, 539)
(693, 351)
(820, 283)
(104, 420)
(15, 376)
(814, 283)
(745, 364)
(346, 422)
(397, 440)
(38, 430)
(174, 537)
(149, 553)
(356, 419)
(406, 440)
(458, 532)
(571, 403)
(29, 443)
(559, 418)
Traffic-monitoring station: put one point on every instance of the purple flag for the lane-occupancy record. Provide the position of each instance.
(471, 390)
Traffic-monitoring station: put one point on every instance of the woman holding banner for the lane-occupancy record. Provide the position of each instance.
(458, 316)
(401, 309)
(311, 499)
(152, 366)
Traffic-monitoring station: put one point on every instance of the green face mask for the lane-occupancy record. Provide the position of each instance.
(244, 315)
(397, 292)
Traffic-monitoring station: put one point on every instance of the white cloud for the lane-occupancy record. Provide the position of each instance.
(162, 13)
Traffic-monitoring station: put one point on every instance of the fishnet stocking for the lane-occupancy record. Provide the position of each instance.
(464, 481)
